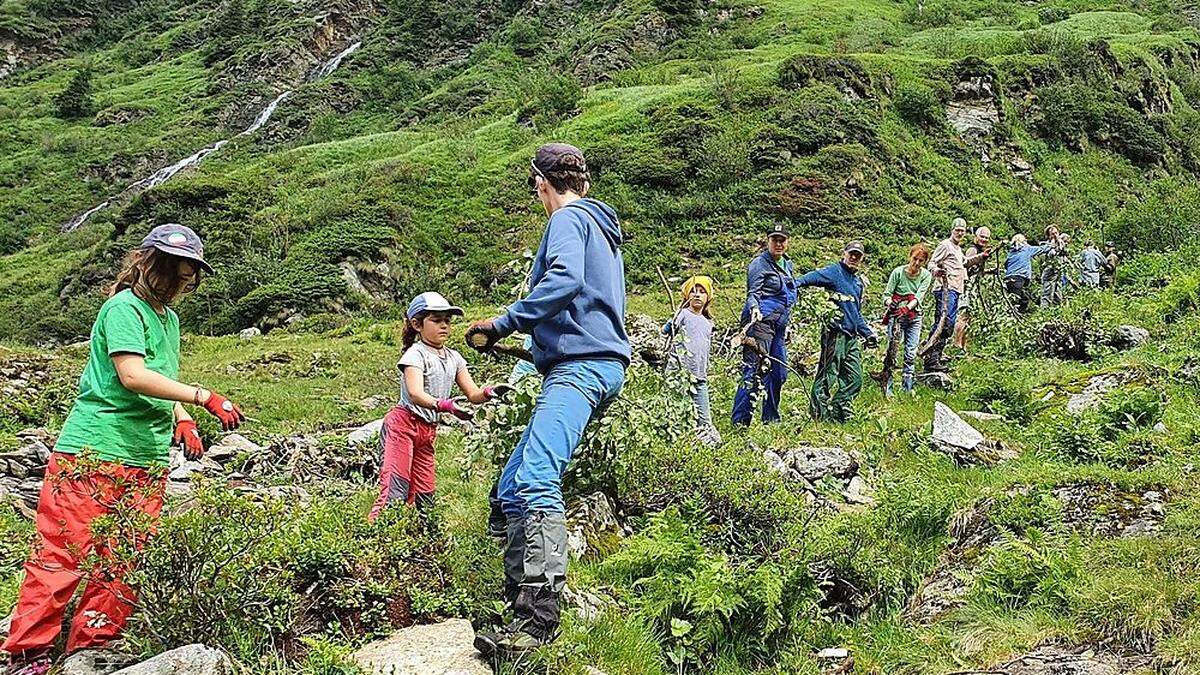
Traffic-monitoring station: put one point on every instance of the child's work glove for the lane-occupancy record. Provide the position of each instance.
(497, 391)
(187, 437)
(449, 405)
(223, 409)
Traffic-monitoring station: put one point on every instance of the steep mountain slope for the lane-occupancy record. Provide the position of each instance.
(703, 121)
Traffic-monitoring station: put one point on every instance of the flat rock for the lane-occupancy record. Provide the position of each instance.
(193, 659)
(95, 662)
(249, 333)
(955, 437)
(1094, 391)
(365, 433)
(436, 649)
(981, 416)
(815, 463)
(231, 445)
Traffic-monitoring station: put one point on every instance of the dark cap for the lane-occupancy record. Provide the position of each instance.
(555, 157)
(177, 240)
(855, 245)
(777, 230)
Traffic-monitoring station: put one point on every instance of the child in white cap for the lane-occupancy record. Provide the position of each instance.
(429, 370)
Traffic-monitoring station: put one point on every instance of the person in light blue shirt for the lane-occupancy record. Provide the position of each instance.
(1018, 270)
(1091, 263)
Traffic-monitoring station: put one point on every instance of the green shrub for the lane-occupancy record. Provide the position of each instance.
(1033, 572)
(1131, 408)
(919, 106)
(1006, 394)
(525, 34)
(1073, 114)
(547, 96)
(76, 101)
(1049, 15)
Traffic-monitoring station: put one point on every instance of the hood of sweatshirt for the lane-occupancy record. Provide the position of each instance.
(606, 217)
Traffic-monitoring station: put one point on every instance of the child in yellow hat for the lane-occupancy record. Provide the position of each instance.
(692, 327)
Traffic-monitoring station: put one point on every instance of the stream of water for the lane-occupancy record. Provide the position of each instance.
(167, 172)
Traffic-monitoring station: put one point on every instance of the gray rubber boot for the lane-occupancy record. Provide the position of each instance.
(545, 574)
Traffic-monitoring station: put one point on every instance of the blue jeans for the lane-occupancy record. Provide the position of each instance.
(703, 407)
(770, 334)
(572, 393)
(910, 332)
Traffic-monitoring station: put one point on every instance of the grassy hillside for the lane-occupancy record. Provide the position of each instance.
(703, 121)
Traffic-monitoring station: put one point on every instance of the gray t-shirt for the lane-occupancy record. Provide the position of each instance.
(440, 368)
(693, 341)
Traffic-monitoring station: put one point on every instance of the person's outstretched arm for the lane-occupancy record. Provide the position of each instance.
(136, 377)
(559, 285)
(817, 279)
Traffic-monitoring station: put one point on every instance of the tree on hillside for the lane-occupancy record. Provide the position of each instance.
(76, 101)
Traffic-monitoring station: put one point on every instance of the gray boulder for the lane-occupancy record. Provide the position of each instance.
(955, 437)
(365, 433)
(1060, 661)
(445, 648)
(193, 659)
(22, 469)
(1095, 389)
(1128, 337)
(249, 333)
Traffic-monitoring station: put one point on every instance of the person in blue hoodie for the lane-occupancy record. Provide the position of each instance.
(840, 365)
(575, 315)
(770, 294)
(1018, 270)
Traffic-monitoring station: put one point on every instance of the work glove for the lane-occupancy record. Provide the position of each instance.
(449, 405)
(187, 437)
(871, 342)
(223, 409)
(482, 336)
(755, 315)
(497, 391)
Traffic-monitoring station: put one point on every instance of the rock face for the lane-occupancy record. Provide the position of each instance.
(955, 437)
(592, 526)
(189, 660)
(1098, 509)
(438, 649)
(1059, 661)
(22, 469)
(973, 113)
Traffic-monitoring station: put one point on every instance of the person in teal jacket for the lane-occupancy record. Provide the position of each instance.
(839, 371)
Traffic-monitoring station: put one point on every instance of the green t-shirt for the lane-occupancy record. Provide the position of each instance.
(108, 419)
(900, 283)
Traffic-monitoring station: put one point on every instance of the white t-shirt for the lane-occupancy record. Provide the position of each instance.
(440, 368)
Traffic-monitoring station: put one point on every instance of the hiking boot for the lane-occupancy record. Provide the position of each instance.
(486, 641)
(35, 665)
(520, 642)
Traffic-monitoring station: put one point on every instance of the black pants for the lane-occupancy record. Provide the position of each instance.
(1018, 288)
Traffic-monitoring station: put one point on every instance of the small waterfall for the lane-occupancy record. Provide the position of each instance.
(167, 172)
(332, 64)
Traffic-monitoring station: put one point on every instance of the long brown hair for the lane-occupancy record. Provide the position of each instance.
(917, 250)
(154, 276)
(411, 334)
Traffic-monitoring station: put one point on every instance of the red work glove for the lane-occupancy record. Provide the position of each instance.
(223, 409)
(187, 437)
(497, 391)
(447, 405)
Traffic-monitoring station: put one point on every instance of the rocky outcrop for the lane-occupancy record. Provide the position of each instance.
(193, 659)
(822, 467)
(955, 437)
(437, 649)
(1096, 388)
(592, 526)
(22, 469)
(1105, 509)
(1127, 337)
(1059, 661)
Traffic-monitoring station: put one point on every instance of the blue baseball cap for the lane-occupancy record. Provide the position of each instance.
(178, 240)
(431, 302)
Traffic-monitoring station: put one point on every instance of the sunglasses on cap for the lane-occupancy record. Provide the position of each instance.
(535, 173)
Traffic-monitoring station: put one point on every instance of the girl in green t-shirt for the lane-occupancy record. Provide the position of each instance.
(906, 288)
(111, 452)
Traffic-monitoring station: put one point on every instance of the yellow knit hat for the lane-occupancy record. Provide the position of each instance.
(702, 281)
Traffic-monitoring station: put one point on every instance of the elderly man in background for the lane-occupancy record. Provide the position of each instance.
(976, 257)
(948, 265)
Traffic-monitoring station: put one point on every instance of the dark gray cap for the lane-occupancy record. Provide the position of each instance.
(855, 245)
(558, 157)
(777, 230)
(178, 240)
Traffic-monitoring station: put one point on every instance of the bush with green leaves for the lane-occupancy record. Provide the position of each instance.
(920, 106)
(703, 603)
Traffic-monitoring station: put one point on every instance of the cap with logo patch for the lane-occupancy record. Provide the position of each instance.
(178, 240)
(855, 247)
(777, 230)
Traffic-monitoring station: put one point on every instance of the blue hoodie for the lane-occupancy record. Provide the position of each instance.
(1019, 262)
(846, 287)
(575, 308)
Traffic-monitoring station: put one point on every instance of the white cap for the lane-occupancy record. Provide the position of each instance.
(431, 302)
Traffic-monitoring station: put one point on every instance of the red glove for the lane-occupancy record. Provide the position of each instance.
(223, 409)
(447, 405)
(187, 437)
